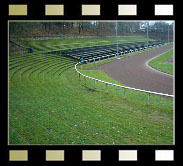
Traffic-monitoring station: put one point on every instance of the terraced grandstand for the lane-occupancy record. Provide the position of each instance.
(92, 54)
(39, 64)
(53, 44)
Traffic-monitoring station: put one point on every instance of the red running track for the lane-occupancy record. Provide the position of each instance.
(133, 71)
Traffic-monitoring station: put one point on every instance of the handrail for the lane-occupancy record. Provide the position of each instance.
(125, 87)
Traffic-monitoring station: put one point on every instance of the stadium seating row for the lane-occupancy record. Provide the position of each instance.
(96, 53)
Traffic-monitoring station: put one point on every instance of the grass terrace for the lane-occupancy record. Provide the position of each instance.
(49, 105)
(71, 43)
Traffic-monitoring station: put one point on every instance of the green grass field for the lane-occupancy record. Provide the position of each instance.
(49, 105)
(160, 64)
(70, 43)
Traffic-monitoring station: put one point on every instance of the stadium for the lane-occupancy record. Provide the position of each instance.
(91, 83)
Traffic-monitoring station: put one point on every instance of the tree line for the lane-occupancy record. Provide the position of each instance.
(97, 28)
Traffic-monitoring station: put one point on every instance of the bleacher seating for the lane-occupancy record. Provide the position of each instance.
(92, 54)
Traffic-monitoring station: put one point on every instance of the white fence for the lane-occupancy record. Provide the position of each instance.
(125, 87)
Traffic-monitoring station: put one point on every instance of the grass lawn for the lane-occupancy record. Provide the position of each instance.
(70, 43)
(49, 105)
(160, 64)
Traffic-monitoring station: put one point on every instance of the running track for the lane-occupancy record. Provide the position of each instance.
(134, 72)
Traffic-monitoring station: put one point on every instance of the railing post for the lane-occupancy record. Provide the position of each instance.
(94, 60)
(85, 80)
(148, 99)
(95, 83)
(124, 92)
(107, 87)
(76, 70)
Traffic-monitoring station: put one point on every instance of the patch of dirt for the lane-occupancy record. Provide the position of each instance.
(155, 116)
(14, 47)
(170, 60)
(90, 89)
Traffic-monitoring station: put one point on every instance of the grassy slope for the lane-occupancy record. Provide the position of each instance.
(48, 105)
(68, 43)
(159, 63)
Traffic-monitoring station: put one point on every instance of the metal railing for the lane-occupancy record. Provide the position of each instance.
(125, 87)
